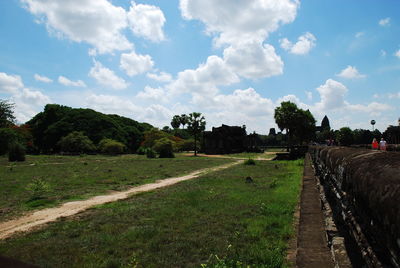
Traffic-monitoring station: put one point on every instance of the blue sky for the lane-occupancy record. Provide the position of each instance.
(233, 61)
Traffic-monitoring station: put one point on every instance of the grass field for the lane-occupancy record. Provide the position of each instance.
(217, 220)
(44, 181)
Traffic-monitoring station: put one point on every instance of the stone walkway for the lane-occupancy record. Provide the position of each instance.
(312, 248)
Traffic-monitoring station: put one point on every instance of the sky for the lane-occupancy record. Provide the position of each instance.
(234, 61)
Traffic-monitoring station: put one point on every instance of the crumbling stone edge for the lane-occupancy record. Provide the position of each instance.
(336, 243)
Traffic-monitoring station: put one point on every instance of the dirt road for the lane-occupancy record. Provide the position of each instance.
(33, 220)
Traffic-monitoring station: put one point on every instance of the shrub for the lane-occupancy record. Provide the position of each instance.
(250, 162)
(16, 152)
(164, 147)
(76, 142)
(38, 188)
(141, 151)
(111, 147)
(150, 153)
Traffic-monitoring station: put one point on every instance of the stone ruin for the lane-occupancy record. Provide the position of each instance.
(364, 186)
(230, 139)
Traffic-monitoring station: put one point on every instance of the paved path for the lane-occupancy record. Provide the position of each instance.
(26, 223)
(312, 249)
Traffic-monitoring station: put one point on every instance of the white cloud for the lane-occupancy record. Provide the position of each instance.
(382, 53)
(394, 95)
(253, 60)
(204, 79)
(350, 72)
(10, 83)
(373, 108)
(67, 82)
(134, 64)
(332, 95)
(147, 21)
(309, 95)
(384, 22)
(107, 77)
(43, 79)
(303, 46)
(359, 34)
(96, 22)
(231, 22)
(28, 103)
(397, 54)
(150, 93)
(160, 77)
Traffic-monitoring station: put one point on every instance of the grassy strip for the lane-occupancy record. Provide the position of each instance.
(51, 181)
(217, 220)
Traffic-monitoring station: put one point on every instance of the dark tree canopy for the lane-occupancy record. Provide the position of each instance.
(7, 117)
(196, 125)
(176, 121)
(299, 124)
(345, 136)
(57, 121)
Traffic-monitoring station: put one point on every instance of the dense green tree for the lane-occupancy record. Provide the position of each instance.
(392, 134)
(164, 147)
(196, 125)
(345, 136)
(362, 136)
(7, 117)
(111, 147)
(57, 121)
(299, 124)
(76, 142)
(176, 121)
(8, 136)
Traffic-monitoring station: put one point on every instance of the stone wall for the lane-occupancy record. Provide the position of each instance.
(366, 186)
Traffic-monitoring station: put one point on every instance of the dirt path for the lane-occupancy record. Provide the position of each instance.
(30, 221)
(235, 157)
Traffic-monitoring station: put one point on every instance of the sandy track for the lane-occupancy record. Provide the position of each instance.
(30, 221)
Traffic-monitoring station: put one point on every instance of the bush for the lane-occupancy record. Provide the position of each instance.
(250, 162)
(111, 147)
(38, 188)
(150, 153)
(141, 151)
(16, 152)
(76, 142)
(164, 147)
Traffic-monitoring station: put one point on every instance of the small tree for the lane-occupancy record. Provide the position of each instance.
(299, 124)
(345, 136)
(164, 147)
(7, 117)
(76, 142)
(111, 147)
(196, 125)
(176, 121)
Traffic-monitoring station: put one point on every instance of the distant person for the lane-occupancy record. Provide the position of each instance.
(375, 144)
(382, 145)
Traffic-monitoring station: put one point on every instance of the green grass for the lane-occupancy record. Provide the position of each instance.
(44, 181)
(217, 220)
